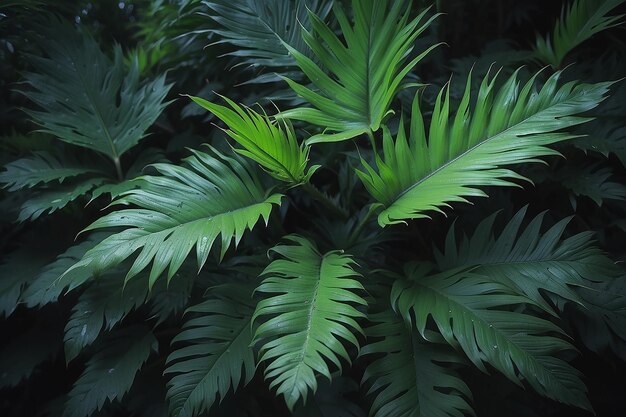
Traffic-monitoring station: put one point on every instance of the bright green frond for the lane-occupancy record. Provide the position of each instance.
(110, 373)
(185, 207)
(527, 261)
(579, 21)
(474, 313)
(410, 380)
(44, 167)
(217, 356)
(508, 126)
(87, 100)
(271, 145)
(313, 309)
(358, 78)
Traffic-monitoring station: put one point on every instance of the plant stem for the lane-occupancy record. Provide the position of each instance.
(370, 135)
(322, 198)
(118, 169)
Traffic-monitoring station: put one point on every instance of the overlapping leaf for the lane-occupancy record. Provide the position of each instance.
(183, 208)
(474, 313)
(312, 310)
(529, 262)
(508, 126)
(217, 356)
(365, 71)
(110, 373)
(410, 379)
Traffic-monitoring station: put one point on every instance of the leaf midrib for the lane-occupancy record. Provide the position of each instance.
(470, 150)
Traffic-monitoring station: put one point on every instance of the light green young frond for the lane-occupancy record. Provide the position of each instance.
(44, 167)
(217, 356)
(271, 145)
(409, 380)
(358, 78)
(508, 126)
(474, 313)
(87, 100)
(185, 207)
(110, 373)
(312, 311)
(579, 21)
(527, 261)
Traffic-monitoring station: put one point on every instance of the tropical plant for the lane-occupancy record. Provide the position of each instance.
(298, 241)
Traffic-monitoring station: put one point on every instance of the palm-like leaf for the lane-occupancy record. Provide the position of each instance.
(184, 207)
(474, 313)
(408, 380)
(312, 311)
(528, 261)
(44, 167)
(510, 126)
(579, 21)
(366, 72)
(87, 100)
(110, 373)
(217, 353)
(271, 145)
(258, 28)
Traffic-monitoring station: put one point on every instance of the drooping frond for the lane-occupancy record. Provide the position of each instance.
(527, 261)
(47, 286)
(44, 167)
(505, 127)
(110, 373)
(102, 305)
(358, 78)
(312, 310)
(474, 313)
(47, 201)
(216, 356)
(258, 28)
(592, 181)
(270, 144)
(85, 99)
(183, 208)
(579, 21)
(410, 379)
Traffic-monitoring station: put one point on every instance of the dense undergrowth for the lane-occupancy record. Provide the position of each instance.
(259, 208)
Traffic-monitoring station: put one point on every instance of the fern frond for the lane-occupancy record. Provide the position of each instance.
(100, 307)
(87, 100)
(312, 310)
(217, 356)
(506, 127)
(44, 167)
(110, 373)
(269, 144)
(258, 29)
(184, 207)
(409, 379)
(527, 261)
(365, 72)
(474, 313)
(579, 21)
(48, 201)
